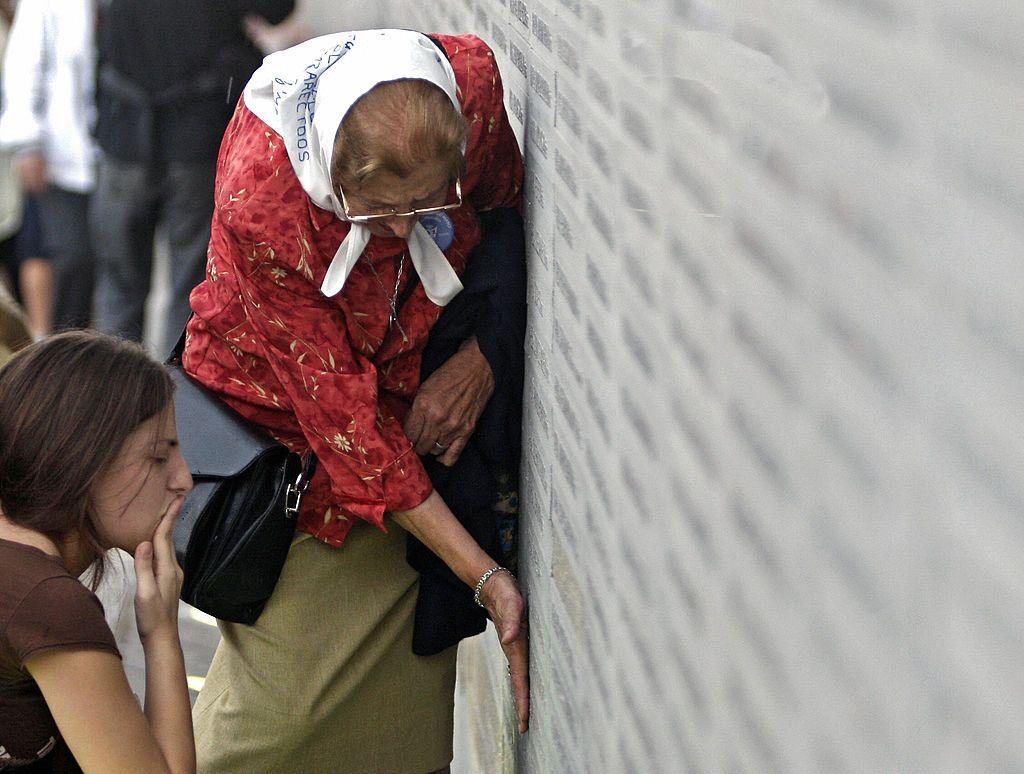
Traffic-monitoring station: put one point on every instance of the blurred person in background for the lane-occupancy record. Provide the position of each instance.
(30, 270)
(14, 332)
(25, 274)
(10, 184)
(275, 37)
(169, 76)
(48, 112)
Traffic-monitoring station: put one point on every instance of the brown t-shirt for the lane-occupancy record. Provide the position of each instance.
(41, 607)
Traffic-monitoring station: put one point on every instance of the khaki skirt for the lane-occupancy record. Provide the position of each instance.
(326, 680)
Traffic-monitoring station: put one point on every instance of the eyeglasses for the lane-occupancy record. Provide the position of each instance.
(394, 213)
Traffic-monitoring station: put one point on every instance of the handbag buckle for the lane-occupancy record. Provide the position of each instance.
(293, 494)
(292, 501)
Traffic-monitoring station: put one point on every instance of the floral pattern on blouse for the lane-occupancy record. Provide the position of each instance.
(329, 374)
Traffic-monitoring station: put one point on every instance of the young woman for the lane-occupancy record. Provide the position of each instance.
(89, 460)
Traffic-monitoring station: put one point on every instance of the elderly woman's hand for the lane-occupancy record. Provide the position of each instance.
(505, 605)
(433, 524)
(449, 403)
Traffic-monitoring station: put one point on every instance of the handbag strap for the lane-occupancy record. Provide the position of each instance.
(294, 493)
(174, 356)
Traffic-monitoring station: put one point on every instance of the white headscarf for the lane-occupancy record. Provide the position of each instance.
(304, 92)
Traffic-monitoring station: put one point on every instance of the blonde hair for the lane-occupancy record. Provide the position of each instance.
(396, 127)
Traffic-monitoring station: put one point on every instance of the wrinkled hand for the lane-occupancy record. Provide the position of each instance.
(505, 605)
(32, 168)
(449, 403)
(158, 579)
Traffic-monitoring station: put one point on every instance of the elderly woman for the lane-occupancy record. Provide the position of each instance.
(353, 185)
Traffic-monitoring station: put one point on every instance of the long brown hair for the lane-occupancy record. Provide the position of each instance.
(67, 404)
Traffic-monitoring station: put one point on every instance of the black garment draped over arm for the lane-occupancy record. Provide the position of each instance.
(491, 307)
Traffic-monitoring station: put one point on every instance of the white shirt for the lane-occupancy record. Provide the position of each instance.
(49, 76)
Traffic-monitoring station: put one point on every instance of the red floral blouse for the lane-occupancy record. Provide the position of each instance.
(328, 373)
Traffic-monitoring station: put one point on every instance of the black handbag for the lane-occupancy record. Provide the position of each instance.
(236, 526)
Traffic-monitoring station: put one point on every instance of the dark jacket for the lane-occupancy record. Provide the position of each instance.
(482, 487)
(170, 74)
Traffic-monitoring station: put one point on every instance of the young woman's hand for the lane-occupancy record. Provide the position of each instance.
(159, 580)
(156, 609)
(507, 609)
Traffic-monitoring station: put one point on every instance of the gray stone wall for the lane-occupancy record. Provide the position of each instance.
(773, 487)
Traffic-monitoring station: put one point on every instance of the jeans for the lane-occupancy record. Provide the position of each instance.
(131, 200)
(65, 227)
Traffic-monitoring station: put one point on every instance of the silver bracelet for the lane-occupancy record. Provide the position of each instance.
(484, 578)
